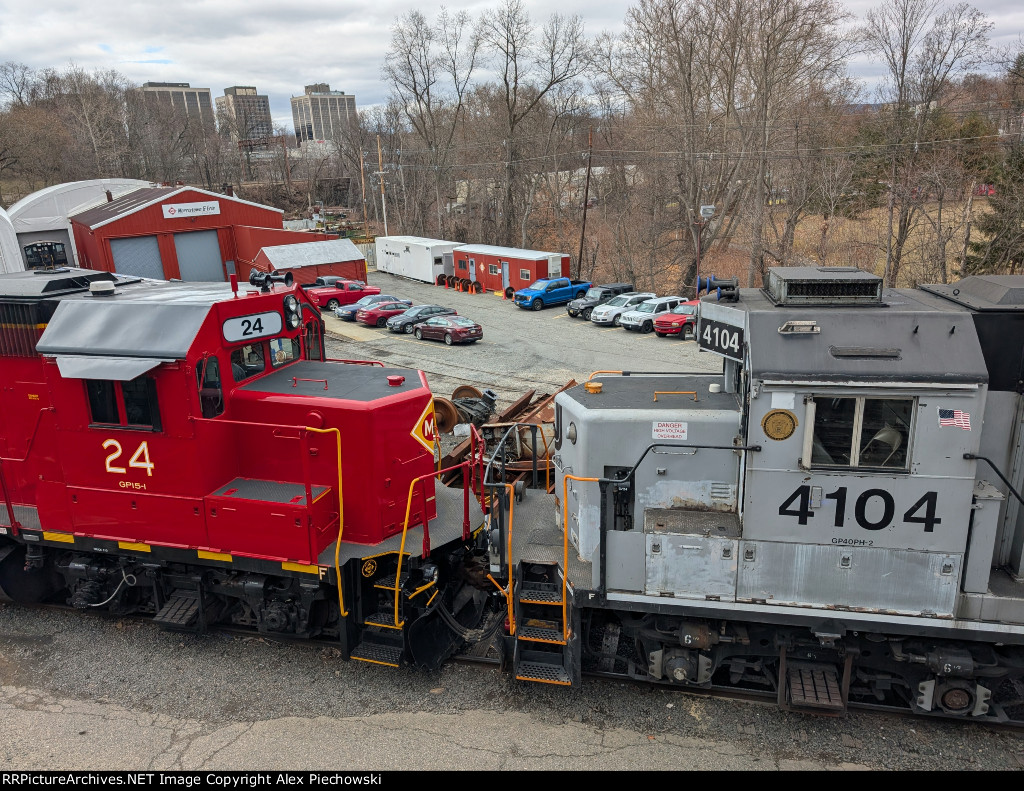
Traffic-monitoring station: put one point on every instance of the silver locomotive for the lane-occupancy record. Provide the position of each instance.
(832, 519)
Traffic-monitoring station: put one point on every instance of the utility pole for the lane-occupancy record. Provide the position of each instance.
(586, 200)
(380, 175)
(362, 183)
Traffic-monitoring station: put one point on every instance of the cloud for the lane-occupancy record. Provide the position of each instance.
(278, 47)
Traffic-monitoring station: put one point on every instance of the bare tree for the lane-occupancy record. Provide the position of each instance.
(529, 64)
(923, 47)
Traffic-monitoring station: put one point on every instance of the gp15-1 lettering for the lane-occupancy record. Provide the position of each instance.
(922, 512)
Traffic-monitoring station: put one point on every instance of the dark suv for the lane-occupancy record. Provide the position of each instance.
(597, 295)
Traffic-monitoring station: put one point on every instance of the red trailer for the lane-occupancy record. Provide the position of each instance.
(484, 267)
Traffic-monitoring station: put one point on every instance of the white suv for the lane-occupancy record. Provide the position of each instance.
(642, 316)
(611, 311)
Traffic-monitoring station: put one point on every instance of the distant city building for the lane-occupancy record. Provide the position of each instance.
(245, 114)
(322, 114)
(193, 102)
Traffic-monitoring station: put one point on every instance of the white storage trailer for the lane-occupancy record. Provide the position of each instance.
(413, 257)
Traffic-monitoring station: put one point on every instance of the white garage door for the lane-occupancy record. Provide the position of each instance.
(199, 256)
(138, 256)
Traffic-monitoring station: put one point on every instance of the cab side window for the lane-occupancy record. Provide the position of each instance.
(247, 361)
(861, 432)
(130, 404)
(284, 350)
(211, 392)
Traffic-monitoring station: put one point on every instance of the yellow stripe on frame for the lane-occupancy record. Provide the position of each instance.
(202, 554)
(301, 567)
(66, 538)
(134, 547)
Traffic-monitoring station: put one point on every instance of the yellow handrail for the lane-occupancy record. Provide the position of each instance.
(510, 489)
(565, 546)
(341, 517)
(602, 372)
(405, 530)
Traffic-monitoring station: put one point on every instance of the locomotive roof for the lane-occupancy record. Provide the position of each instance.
(42, 283)
(330, 380)
(911, 336)
(143, 319)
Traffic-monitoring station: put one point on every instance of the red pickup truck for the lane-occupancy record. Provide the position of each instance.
(342, 292)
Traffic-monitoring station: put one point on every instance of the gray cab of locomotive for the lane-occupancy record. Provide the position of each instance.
(824, 468)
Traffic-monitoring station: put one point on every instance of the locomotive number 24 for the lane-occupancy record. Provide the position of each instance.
(139, 459)
(922, 512)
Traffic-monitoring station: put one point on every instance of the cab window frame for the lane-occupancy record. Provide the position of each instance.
(114, 395)
(878, 434)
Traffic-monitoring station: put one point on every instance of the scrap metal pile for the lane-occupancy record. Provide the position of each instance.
(529, 421)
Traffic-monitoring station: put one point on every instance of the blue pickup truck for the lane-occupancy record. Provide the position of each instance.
(550, 291)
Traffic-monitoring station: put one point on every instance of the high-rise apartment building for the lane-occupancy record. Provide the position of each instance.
(244, 114)
(193, 102)
(322, 114)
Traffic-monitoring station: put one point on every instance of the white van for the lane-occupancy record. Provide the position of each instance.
(642, 316)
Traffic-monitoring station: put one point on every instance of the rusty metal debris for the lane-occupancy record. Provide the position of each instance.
(529, 448)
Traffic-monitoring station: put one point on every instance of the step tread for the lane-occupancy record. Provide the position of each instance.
(182, 609)
(377, 653)
(388, 581)
(385, 618)
(815, 687)
(540, 634)
(543, 671)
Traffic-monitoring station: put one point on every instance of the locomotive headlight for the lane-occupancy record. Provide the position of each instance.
(571, 433)
(292, 316)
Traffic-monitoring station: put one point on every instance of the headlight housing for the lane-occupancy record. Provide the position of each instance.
(292, 312)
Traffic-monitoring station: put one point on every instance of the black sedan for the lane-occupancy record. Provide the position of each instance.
(406, 322)
(348, 312)
(450, 329)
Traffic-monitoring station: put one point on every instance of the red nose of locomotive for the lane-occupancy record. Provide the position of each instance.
(384, 421)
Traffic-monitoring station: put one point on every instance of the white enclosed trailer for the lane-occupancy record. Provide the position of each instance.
(413, 257)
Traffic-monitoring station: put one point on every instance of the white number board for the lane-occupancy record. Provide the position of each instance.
(258, 325)
(724, 339)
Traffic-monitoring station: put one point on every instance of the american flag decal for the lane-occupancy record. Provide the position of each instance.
(954, 417)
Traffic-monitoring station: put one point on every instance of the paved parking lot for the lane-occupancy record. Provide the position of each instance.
(521, 349)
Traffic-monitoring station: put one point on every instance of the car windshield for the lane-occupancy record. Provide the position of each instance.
(685, 310)
(538, 285)
(618, 302)
(645, 307)
(594, 293)
(364, 301)
(461, 321)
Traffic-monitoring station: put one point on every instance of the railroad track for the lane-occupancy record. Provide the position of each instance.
(491, 658)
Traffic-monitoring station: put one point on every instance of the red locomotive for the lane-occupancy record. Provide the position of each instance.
(185, 450)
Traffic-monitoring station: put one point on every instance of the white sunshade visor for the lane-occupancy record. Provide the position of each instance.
(121, 369)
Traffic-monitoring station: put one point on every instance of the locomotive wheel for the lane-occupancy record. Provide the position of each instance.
(446, 415)
(440, 280)
(466, 391)
(25, 587)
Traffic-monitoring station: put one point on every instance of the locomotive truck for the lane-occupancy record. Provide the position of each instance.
(832, 519)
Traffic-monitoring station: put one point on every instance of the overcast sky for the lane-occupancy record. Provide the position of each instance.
(281, 46)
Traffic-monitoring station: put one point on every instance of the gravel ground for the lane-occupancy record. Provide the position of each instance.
(52, 662)
(221, 679)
